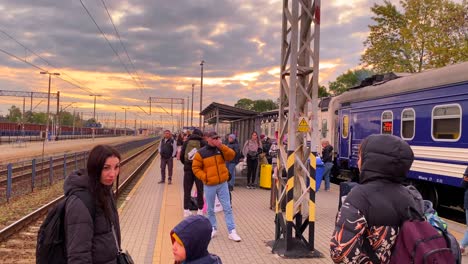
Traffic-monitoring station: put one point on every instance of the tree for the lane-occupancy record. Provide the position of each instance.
(256, 105)
(39, 118)
(427, 34)
(264, 105)
(245, 103)
(66, 118)
(14, 114)
(347, 80)
(322, 92)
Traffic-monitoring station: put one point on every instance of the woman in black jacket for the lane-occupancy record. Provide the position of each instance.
(90, 239)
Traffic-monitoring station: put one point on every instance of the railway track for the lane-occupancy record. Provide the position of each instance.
(18, 240)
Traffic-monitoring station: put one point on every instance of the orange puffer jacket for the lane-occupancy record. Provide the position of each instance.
(209, 164)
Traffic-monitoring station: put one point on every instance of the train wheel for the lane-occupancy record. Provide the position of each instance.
(429, 192)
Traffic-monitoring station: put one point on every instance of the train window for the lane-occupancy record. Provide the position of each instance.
(324, 128)
(446, 122)
(345, 127)
(387, 122)
(407, 124)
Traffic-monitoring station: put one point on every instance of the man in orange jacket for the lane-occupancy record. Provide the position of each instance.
(209, 165)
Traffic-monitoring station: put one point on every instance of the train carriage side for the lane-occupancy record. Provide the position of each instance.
(429, 118)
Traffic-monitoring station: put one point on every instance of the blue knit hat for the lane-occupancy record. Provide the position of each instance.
(232, 136)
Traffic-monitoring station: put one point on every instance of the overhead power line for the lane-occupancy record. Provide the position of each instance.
(37, 55)
(88, 90)
(121, 43)
(108, 42)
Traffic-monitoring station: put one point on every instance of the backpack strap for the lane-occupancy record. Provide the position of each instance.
(85, 196)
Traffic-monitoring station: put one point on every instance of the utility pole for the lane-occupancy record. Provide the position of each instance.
(187, 114)
(191, 118)
(48, 102)
(115, 123)
(125, 122)
(298, 91)
(201, 94)
(94, 112)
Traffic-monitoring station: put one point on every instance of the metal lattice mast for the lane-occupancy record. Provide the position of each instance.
(298, 97)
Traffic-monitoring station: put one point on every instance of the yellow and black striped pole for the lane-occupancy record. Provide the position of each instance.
(290, 200)
(312, 180)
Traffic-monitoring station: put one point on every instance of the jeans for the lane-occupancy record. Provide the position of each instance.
(222, 191)
(326, 174)
(232, 170)
(464, 242)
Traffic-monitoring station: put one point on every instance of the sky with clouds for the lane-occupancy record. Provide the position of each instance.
(239, 40)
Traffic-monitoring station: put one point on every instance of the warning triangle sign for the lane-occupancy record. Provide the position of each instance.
(303, 126)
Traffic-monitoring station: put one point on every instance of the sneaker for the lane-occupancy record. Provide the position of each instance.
(200, 212)
(253, 186)
(187, 213)
(234, 236)
(161, 182)
(213, 232)
(248, 186)
(462, 251)
(169, 182)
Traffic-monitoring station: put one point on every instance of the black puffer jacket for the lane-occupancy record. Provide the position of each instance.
(88, 241)
(368, 222)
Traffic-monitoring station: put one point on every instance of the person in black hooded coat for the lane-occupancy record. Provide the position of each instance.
(368, 222)
(195, 139)
(190, 240)
(91, 240)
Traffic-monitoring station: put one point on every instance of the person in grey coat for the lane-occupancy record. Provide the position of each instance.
(91, 240)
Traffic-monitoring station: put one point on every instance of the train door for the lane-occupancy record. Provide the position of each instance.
(345, 139)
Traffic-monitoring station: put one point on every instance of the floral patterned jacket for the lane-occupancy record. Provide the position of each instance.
(368, 222)
(354, 241)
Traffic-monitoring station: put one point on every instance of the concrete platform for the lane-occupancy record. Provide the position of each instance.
(152, 210)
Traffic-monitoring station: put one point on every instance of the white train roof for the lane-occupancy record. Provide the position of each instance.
(451, 74)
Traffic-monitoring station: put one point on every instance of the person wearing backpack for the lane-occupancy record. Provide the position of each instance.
(91, 220)
(189, 148)
(367, 224)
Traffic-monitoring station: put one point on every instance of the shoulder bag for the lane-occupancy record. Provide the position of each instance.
(122, 256)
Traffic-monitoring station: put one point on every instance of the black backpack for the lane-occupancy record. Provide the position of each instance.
(51, 248)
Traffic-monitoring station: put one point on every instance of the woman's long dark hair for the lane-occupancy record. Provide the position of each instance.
(96, 160)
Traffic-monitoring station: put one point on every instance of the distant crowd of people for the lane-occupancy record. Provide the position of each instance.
(367, 226)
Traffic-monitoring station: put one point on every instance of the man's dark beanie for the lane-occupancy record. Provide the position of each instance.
(198, 132)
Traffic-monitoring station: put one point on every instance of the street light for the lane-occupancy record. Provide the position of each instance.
(201, 93)
(48, 99)
(94, 112)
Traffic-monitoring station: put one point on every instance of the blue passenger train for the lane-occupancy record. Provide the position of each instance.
(429, 110)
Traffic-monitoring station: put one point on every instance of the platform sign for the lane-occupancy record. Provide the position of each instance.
(303, 126)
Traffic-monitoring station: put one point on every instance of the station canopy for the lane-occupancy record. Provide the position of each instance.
(226, 113)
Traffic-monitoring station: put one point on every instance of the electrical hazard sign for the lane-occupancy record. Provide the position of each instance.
(303, 126)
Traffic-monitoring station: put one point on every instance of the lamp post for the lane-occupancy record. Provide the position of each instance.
(201, 93)
(94, 112)
(48, 100)
(125, 123)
